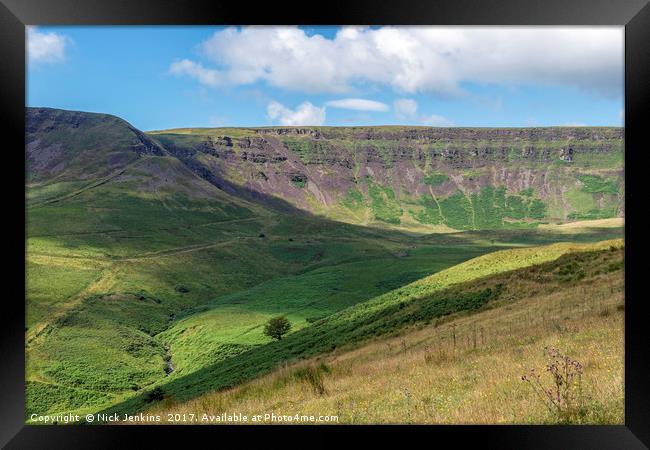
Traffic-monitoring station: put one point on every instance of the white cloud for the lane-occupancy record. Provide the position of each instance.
(45, 47)
(209, 77)
(358, 104)
(304, 114)
(405, 107)
(435, 120)
(435, 60)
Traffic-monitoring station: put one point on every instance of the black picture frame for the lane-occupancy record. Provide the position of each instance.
(15, 14)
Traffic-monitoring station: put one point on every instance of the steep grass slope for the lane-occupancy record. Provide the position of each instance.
(425, 300)
(232, 324)
(454, 367)
(97, 300)
(105, 314)
(69, 151)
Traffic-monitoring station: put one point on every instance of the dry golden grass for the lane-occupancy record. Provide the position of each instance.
(584, 225)
(422, 376)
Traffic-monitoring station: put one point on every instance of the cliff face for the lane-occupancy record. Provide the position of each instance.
(411, 177)
(463, 178)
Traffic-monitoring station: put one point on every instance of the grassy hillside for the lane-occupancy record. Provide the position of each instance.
(97, 301)
(69, 151)
(232, 324)
(415, 178)
(462, 368)
(154, 262)
(107, 309)
(422, 301)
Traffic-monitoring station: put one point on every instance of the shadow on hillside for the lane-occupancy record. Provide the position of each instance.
(320, 338)
(309, 223)
(357, 327)
(187, 155)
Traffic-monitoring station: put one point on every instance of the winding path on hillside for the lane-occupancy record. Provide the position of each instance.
(108, 278)
(92, 185)
(187, 249)
(103, 283)
(186, 227)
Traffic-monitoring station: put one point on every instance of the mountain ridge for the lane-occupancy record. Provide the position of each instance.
(419, 178)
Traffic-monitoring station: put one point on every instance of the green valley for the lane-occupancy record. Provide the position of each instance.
(155, 259)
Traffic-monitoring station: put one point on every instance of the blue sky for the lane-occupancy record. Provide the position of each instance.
(166, 77)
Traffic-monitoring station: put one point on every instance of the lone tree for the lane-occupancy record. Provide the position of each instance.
(277, 327)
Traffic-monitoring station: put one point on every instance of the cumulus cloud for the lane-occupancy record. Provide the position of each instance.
(434, 60)
(45, 47)
(209, 77)
(405, 107)
(435, 120)
(358, 104)
(304, 114)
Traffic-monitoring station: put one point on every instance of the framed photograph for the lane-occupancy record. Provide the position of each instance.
(362, 215)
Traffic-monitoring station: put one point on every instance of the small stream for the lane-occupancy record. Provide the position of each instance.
(169, 365)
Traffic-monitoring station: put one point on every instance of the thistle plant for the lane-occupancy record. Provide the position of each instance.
(563, 396)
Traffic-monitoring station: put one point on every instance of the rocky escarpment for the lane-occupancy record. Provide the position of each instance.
(420, 176)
